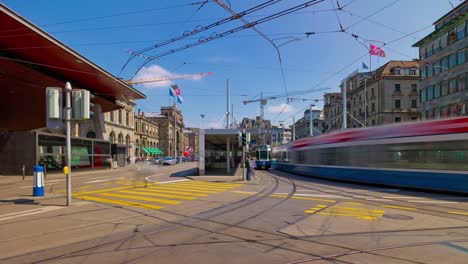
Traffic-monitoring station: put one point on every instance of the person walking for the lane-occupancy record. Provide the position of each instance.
(247, 166)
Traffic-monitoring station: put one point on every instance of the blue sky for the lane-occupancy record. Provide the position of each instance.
(104, 32)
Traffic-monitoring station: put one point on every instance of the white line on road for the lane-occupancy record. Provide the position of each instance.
(322, 195)
(165, 182)
(29, 212)
(32, 186)
(104, 180)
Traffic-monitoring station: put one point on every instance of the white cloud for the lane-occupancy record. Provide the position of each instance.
(284, 108)
(156, 72)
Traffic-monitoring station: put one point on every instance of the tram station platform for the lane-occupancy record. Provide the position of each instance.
(220, 153)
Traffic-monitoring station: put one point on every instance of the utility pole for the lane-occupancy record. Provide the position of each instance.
(175, 134)
(68, 91)
(345, 110)
(311, 126)
(365, 101)
(294, 129)
(227, 104)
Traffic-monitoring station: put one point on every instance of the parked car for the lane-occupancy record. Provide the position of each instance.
(158, 161)
(169, 161)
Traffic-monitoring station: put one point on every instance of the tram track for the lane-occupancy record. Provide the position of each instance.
(260, 195)
(352, 195)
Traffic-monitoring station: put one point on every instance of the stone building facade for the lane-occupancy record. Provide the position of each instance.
(169, 131)
(332, 112)
(302, 126)
(443, 57)
(147, 134)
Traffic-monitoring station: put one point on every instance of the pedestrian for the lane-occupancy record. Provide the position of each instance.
(247, 166)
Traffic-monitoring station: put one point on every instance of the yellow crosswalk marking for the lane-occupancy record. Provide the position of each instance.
(118, 202)
(173, 192)
(199, 187)
(182, 189)
(359, 213)
(133, 197)
(150, 193)
(212, 183)
(242, 192)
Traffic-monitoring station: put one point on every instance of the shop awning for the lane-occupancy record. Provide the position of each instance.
(158, 151)
(146, 150)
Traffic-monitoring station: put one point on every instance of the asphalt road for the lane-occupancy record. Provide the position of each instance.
(276, 218)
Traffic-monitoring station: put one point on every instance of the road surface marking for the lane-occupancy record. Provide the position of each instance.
(29, 212)
(104, 180)
(181, 189)
(175, 192)
(399, 197)
(139, 198)
(355, 203)
(458, 213)
(399, 207)
(150, 193)
(118, 202)
(456, 247)
(358, 213)
(166, 182)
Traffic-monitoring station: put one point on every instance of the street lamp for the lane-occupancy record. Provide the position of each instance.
(311, 121)
(203, 120)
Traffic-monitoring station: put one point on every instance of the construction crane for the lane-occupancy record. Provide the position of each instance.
(263, 100)
(186, 76)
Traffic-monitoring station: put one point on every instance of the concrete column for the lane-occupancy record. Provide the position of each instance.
(228, 155)
(201, 159)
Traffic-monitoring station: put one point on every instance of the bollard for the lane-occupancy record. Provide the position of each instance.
(23, 169)
(38, 187)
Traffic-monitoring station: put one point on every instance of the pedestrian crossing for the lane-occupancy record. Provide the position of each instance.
(155, 196)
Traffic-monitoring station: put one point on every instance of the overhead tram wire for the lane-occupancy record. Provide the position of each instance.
(108, 16)
(201, 29)
(219, 2)
(372, 14)
(229, 32)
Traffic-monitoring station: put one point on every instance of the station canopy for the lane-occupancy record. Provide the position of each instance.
(31, 60)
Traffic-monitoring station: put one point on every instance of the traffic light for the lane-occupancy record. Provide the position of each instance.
(54, 108)
(239, 139)
(244, 139)
(81, 104)
(247, 138)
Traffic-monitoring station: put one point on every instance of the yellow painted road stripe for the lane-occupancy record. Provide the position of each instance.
(187, 197)
(172, 192)
(458, 213)
(132, 197)
(399, 207)
(212, 183)
(109, 201)
(104, 190)
(278, 195)
(199, 187)
(313, 199)
(183, 189)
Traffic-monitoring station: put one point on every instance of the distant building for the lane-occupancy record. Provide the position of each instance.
(332, 112)
(302, 126)
(443, 57)
(191, 140)
(147, 135)
(171, 129)
(384, 96)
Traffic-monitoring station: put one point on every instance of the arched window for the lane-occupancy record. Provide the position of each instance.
(91, 134)
(112, 138)
(120, 139)
(127, 140)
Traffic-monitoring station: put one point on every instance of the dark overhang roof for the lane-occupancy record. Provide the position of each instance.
(31, 60)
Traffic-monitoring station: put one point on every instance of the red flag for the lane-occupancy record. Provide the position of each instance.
(377, 51)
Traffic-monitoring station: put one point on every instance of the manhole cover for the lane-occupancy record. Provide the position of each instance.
(398, 216)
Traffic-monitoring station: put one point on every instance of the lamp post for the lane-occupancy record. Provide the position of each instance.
(203, 120)
(311, 121)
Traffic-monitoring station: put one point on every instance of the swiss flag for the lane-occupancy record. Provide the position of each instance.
(377, 51)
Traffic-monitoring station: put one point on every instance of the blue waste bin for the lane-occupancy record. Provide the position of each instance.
(38, 187)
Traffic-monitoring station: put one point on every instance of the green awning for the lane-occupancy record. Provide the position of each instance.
(159, 152)
(153, 151)
(146, 150)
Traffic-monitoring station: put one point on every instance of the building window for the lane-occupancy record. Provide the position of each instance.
(414, 103)
(452, 36)
(428, 71)
(413, 72)
(445, 88)
(414, 87)
(430, 93)
(372, 92)
(397, 119)
(127, 118)
(136, 126)
(120, 139)
(120, 117)
(436, 67)
(453, 86)
(461, 31)
(444, 66)
(461, 82)
(397, 87)
(373, 107)
(437, 90)
(373, 122)
(127, 140)
(452, 60)
(112, 138)
(396, 71)
(111, 115)
(461, 56)
(423, 95)
(397, 103)
(91, 134)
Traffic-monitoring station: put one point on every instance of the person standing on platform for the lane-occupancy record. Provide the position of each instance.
(247, 166)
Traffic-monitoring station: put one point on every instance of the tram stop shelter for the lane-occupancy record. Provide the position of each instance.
(219, 149)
